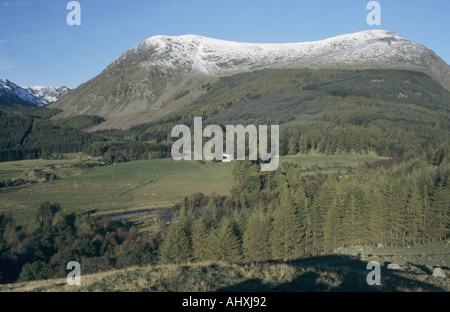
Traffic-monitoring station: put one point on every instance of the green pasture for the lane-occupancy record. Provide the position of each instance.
(133, 185)
(120, 187)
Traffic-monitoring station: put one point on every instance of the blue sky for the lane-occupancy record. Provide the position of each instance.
(37, 47)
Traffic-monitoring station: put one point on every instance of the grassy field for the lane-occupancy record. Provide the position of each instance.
(121, 187)
(336, 273)
(133, 185)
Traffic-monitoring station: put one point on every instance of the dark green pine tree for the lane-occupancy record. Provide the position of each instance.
(176, 247)
(200, 241)
(441, 210)
(9, 235)
(293, 146)
(239, 223)
(351, 222)
(210, 214)
(224, 242)
(429, 217)
(304, 218)
(331, 228)
(286, 237)
(414, 215)
(309, 251)
(256, 245)
(361, 232)
(375, 218)
(318, 211)
(334, 227)
(394, 216)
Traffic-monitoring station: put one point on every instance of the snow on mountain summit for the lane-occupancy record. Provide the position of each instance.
(47, 95)
(367, 49)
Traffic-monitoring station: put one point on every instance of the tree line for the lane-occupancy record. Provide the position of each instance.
(286, 216)
(41, 249)
(25, 137)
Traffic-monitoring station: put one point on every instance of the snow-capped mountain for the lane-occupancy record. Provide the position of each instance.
(10, 89)
(12, 95)
(47, 95)
(218, 57)
(143, 83)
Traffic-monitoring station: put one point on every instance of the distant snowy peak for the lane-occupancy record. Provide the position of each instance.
(48, 95)
(368, 49)
(11, 90)
(35, 96)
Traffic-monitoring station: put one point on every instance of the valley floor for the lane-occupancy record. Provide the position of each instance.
(132, 186)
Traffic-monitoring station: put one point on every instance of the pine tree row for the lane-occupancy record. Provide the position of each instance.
(280, 216)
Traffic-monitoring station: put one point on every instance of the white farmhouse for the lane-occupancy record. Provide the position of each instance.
(227, 158)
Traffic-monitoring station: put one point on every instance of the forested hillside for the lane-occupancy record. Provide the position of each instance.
(32, 137)
(391, 112)
(26, 137)
(284, 216)
(79, 122)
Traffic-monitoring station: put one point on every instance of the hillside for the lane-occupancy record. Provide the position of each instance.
(335, 273)
(25, 137)
(390, 112)
(393, 113)
(146, 82)
(31, 135)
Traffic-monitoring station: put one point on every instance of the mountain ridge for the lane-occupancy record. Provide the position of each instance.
(143, 84)
(14, 97)
(291, 52)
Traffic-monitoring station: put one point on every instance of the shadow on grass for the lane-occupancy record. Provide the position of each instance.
(422, 267)
(335, 274)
